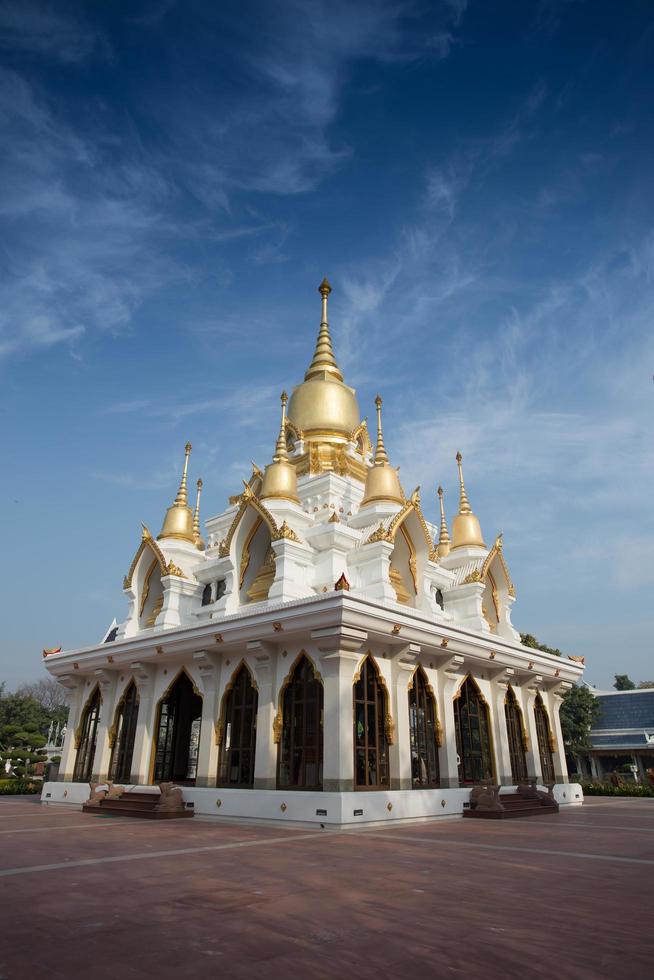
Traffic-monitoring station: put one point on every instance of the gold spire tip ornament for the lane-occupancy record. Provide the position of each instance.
(199, 542)
(444, 542)
(466, 529)
(178, 522)
(324, 362)
(281, 452)
(464, 503)
(280, 479)
(381, 455)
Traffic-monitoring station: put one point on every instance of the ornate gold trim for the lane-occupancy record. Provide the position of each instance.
(147, 541)
(173, 569)
(146, 586)
(247, 499)
(245, 554)
(285, 532)
(497, 552)
(362, 431)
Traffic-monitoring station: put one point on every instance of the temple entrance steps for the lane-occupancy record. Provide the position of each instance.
(166, 805)
(488, 804)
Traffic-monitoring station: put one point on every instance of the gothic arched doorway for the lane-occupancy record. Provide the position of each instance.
(238, 728)
(120, 767)
(178, 733)
(371, 768)
(473, 742)
(423, 733)
(88, 736)
(515, 732)
(301, 743)
(544, 733)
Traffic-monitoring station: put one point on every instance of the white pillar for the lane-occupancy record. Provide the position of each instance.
(451, 676)
(340, 653)
(265, 756)
(534, 771)
(144, 675)
(501, 735)
(560, 763)
(209, 666)
(107, 682)
(402, 668)
(75, 685)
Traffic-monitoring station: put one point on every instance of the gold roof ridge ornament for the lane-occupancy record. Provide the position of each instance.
(324, 361)
(280, 478)
(382, 479)
(199, 541)
(444, 542)
(466, 530)
(178, 522)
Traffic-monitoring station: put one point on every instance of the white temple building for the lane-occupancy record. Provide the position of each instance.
(323, 654)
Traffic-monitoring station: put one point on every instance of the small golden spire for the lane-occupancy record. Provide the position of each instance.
(196, 518)
(466, 529)
(178, 522)
(380, 452)
(464, 503)
(324, 361)
(281, 452)
(444, 537)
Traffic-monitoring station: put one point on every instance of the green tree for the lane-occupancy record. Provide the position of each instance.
(24, 724)
(623, 683)
(579, 710)
(50, 695)
(528, 640)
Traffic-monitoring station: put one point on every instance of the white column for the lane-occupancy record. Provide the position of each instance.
(402, 667)
(209, 666)
(450, 678)
(75, 685)
(144, 675)
(107, 682)
(534, 771)
(265, 756)
(560, 763)
(340, 653)
(501, 735)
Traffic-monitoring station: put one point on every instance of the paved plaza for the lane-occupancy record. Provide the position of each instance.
(109, 897)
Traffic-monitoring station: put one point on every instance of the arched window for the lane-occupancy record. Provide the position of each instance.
(423, 734)
(515, 732)
(206, 595)
(300, 748)
(178, 733)
(472, 735)
(239, 732)
(120, 767)
(544, 734)
(89, 732)
(371, 769)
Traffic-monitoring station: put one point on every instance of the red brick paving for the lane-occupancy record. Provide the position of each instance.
(425, 900)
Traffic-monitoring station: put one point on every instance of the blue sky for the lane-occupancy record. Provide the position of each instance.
(474, 179)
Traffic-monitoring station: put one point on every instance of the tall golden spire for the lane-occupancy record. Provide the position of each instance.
(324, 362)
(280, 478)
(382, 480)
(465, 526)
(281, 452)
(444, 537)
(199, 542)
(380, 452)
(178, 522)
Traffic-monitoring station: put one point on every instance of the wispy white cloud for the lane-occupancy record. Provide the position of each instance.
(40, 28)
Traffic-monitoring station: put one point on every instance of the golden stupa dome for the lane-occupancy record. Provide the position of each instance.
(382, 479)
(280, 478)
(323, 406)
(178, 522)
(466, 529)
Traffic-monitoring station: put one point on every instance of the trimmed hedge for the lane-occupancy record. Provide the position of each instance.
(18, 787)
(608, 789)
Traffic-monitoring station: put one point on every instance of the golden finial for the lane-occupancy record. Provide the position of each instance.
(324, 361)
(444, 537)
(380, 452)
(465, 526)
(464, 503)
(182, 496)
(281, 452)
(178, 522)
(196, 518)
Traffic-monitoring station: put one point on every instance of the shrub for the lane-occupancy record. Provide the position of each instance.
(18, 787)
(608, 789)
